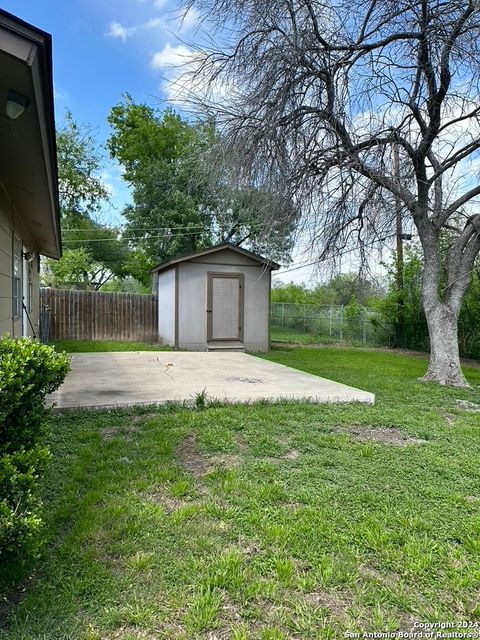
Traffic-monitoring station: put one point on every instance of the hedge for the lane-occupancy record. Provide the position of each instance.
(28, 372)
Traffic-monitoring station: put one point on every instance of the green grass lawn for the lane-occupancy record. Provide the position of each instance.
(81, 346)
(264, 522)
(287, 334)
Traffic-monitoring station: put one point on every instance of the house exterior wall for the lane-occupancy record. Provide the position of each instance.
(192, 299)
(11, 227)
(166, 306)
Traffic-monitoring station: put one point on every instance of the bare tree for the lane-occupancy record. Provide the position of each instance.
(317, 93)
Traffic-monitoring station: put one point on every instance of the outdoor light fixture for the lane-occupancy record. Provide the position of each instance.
(29, 256)
(16, 104)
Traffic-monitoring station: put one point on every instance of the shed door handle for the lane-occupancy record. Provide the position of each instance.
(209, 311)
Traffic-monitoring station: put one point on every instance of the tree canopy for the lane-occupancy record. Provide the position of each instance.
(183, 199)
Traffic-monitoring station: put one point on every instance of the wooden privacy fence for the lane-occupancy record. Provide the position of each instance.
(93, 315)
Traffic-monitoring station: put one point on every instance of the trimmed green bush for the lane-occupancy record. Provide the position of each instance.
(28, 372)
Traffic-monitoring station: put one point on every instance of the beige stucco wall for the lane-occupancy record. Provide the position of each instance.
(10, 224)
(192, 299)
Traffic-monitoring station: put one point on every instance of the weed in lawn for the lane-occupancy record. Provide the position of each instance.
(272, 634)
(200, 400)
(227, 572)
(181, 488)
(138, 613)
(141, 561)
(284, 568)
(203, 610)
(240, 633)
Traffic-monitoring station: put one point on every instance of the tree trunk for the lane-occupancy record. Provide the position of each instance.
(444, 366)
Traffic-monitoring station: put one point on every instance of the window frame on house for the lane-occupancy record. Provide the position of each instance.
(30, 280)
(17, 277)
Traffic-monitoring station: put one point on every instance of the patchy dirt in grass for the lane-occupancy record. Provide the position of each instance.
(336, 605)
(470, 407)
(132, 632)
(449, 418)
(293, 454)
(189, 456)
(241, 444)
(385, 435)
(143, 418)
(13, 597)
(191, 459)
(126, 433)
(169, 503)
(224, 461)
(390, 579)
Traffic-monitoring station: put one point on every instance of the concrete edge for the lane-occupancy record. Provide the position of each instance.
(213, 401)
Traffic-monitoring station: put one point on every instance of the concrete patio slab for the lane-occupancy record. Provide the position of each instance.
(156, 377)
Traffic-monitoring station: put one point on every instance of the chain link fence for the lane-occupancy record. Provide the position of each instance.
(323, 324)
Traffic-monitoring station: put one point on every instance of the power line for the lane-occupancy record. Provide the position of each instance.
(167, 235)
(338, 255)
(143, 228)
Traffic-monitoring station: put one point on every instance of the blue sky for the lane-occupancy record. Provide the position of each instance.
(102, 49)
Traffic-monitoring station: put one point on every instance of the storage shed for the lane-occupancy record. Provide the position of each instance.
(215, 299)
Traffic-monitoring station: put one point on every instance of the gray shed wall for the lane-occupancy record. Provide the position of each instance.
(192, 299)
(166, 306)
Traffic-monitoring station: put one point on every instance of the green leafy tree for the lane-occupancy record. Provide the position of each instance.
(94, 253)
(338, 291)
(156, 154)
(290, 293)
(183, 198)
(469, 320)
(354, 316)
(403, 323)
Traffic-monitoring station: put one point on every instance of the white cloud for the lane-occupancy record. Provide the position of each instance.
(152, 24)
(107, 179)
(188, 20)
(159, 4)
(117, 30)
(172, 57)
(185, 78)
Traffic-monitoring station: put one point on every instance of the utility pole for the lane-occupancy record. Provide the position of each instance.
(399, 325)
(398, 221)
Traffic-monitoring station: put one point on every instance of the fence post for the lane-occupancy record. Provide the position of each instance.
(283, 315)
(341, 322)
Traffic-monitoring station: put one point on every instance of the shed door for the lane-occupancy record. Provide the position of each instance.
(225, 306)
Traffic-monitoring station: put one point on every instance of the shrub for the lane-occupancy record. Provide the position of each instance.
(19, 504)
(354, 317)
(28, 372)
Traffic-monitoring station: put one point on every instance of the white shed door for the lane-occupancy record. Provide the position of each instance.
(225, 306)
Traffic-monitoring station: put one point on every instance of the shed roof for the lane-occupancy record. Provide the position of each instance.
(218, 247)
